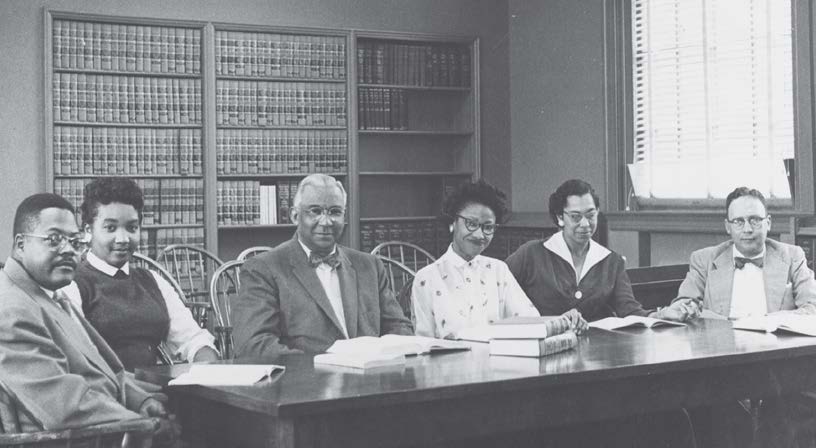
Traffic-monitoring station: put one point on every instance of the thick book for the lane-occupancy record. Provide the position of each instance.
(360, 360)
(225, 374)
(534, 348)
(518, 327)
(613, 323)
(392, 344)
(802, 324)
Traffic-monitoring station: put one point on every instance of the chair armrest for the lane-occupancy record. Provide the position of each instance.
(108, 433)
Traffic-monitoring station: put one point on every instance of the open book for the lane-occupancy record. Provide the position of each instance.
(393, 344)
(613, 323)
(534, 347)
(796, 323)
(225, 374)
(359, 361)
(538, 327)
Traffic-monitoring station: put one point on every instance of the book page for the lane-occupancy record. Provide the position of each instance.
(613, 323)
(225, 374)
(393, 344)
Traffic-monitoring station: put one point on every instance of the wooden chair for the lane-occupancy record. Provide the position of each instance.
(409, 255)
(252, 251)
(107, 435)
(192, 267)
(656, 286)
(224, 285)
(400, 278)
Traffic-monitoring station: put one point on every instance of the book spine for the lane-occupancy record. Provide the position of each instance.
(558, 343)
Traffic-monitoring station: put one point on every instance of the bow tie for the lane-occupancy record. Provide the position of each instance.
(740, 262)
(315, 259)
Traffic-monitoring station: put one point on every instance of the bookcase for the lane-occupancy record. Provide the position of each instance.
(418, 133)
(219, 122)
(123, 97)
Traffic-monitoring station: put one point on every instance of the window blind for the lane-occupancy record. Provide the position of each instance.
(712, 97)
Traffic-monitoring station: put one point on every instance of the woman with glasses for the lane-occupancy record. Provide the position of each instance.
(464, 288)
(134, 309)
(571, 271)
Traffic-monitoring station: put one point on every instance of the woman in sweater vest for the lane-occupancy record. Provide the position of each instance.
(134, 309)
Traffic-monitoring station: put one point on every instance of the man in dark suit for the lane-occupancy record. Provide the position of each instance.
(309, 291)
(53, 362)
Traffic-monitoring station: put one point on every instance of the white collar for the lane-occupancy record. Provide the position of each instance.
(736, 253)
(596, 253)
(450, 256)
(103, 265)
(48, 292)
(309, 251)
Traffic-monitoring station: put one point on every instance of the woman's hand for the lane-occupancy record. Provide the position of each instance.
(577, 322)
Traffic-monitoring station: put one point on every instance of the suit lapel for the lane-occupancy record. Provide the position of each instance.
(775, 274)
(721, 282)
(307, 277)
(348, 288)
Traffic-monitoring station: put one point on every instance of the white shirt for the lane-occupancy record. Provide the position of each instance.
(331, 285)
(185, 337)
(595, 254)
(748, 290)
(452, 294)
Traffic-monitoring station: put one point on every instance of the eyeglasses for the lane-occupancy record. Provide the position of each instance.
(56, 241)
(472, 225)
(333, 213)
(755, 221)
(576, 217)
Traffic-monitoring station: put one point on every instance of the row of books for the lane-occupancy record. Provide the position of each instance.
(430, 235)
(166, 201)
(279, 55)
(259, 103)
(423, 64)
(382, 109)
(154, 240)
(251, 151)
(121, 47)
(247, 202)
(126, 151)
(94, 98)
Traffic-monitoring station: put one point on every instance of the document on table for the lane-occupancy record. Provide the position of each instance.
(225, 374)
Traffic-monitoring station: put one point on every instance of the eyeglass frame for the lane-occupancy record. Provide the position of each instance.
(760, 220)
(471, 228)
(62, 240)
(595, 213)
(324, 212)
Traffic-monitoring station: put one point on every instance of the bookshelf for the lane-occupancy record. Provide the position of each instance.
(417, 133)
(281, 112)
(123, 98)
(219, 122)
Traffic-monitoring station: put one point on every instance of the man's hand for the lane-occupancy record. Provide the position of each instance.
(577, 322)
(680, 311)
(152, 407)
(206, 354)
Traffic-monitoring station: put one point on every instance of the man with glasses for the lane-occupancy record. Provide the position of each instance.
(310, 291)
(53, 362)
(752, 275)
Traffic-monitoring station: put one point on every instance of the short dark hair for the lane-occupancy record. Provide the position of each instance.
(572, 187)
(105, 190)
(479, 192)
(27, 215)
(743, 191)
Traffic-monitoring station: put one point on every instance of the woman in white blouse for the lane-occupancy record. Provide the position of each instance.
(464, 288)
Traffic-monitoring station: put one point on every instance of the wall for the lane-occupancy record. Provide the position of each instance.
(21, 48)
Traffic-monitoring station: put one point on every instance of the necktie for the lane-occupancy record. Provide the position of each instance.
(62, 299)
(120, 275)
(315, 259)
(740, 262)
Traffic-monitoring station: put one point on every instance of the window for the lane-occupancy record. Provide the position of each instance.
(711, 101)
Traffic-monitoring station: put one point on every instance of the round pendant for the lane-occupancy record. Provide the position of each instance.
(578, 294)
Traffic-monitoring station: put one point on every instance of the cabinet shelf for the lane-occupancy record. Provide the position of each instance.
(303, 128)
(171, 226)
(128, 125)
(399, 218)
(130, 175)
(262, 176)
(278, 79)
(255, 226)
(414, 132)
(128, 73)
(416, 173)
(417, 88)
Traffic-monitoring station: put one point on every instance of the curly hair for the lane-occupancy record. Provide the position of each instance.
(572, 187)
(743, 191)
(479, 192)
(105, 190)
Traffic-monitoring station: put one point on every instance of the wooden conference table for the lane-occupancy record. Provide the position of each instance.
(465, 394)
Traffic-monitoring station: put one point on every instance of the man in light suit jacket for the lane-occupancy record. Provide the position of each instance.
(309, 291)
(51, 359)
(752, 275)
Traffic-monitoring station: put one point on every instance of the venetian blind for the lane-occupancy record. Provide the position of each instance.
(713, 97)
